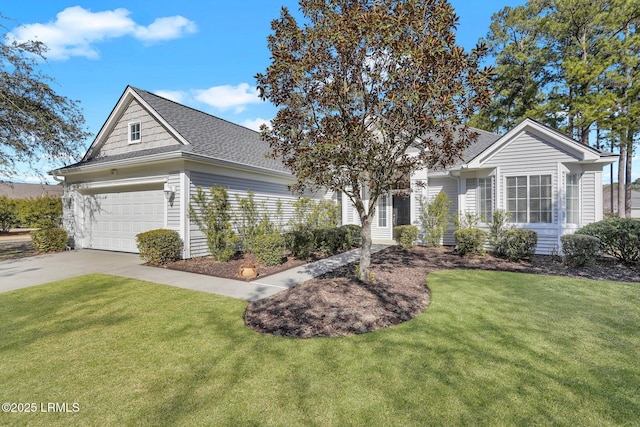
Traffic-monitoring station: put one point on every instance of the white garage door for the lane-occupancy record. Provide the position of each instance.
(113, 219)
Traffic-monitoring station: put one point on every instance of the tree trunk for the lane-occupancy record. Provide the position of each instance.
(621, 175)
(628, 179)
(365, 249)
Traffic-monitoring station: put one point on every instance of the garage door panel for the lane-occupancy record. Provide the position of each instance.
(114, 219)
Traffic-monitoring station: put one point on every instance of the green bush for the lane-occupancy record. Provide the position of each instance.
(309, 214)
(40, 212)
(434, 218)
(498, 227)
(518, 243)
(299, 243)
(159, 247)
(353, 236)
(619, 237)
(269, 248)
(329, 240)
(49, 239)
(470, 240)
(579, 249)
(213, 217)
(8, 214)
(406, 235)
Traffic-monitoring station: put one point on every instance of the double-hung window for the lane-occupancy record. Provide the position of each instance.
(529, 199)
(572, 199)
(134, 133)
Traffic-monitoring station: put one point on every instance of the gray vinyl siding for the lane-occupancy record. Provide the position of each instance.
(471, 195)
(526, 156)
(173, 209)
(152, 133)
(267, 192)
(450, 187)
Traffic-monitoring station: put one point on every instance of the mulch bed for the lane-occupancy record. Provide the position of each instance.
(229, 270)
(337, 303)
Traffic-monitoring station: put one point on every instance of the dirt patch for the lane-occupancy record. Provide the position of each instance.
(338, 304)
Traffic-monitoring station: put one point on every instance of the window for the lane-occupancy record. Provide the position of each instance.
(339, 203)
(485, 199)
(134, 132)
(529, 199)
(572, 201)
(382, 211)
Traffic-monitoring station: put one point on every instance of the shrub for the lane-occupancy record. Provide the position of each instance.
(299, 242)
(353, 236)
(49, 239)
(213, 217)
(159, 247)
(406, 235)
(470, 240)
(8, 213)
(309, 214)
(579, 249)
(269, 248)
(434, 218)
(498, 227)
(40, 212)
(518, 243)
(247, 221)
(329, 240)
(619, 237)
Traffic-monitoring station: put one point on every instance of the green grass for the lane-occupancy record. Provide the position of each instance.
(492, 349)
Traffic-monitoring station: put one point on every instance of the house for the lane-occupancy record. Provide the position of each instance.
(144, 165)
(635, 200)
(548, 183)
(150, 155)
(15, 190)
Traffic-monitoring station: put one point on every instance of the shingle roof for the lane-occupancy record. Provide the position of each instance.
(212, 136)
(207, 135)
(484, 141)
(216, 138)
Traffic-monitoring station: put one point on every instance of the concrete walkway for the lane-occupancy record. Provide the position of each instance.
(31, 271)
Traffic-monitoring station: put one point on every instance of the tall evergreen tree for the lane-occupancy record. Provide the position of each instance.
(572, 64)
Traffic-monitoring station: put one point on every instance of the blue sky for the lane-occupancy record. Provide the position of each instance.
(201, 53)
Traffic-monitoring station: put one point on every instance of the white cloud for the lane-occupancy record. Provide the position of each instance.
(174, 95)
(76, 31)
(229, 97)
(167, 28)
(255, 124)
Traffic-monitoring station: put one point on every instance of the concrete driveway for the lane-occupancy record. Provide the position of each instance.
(31, 271)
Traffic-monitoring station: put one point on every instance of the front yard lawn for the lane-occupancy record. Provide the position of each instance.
(493, 348)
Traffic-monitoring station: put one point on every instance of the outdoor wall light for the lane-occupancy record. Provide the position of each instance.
(169, 191)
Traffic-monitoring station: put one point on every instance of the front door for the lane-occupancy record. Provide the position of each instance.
(401, 210)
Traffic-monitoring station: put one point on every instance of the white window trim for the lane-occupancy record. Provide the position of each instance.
(478, 198)
(129, 125)
(383, 200)
(528, 176)
(566, 198)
